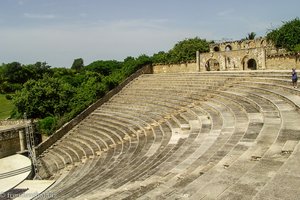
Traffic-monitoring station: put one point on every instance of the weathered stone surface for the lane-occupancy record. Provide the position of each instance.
(239, 124)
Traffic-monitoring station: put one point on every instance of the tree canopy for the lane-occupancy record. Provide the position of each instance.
(104, 67)
(287, 36)
(14, 75)
(56, 95)
(251, 36)
(77, 64)
(183, 51)
(44, 97)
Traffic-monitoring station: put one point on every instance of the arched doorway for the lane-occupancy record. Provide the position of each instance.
(251, 64)
(212, 65)
(228, 48)
(216, 49)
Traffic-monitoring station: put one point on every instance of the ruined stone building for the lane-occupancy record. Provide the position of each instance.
(255, 54)
(237, 55)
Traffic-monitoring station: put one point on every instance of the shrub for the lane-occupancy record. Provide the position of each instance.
(47, 125)
(8, 97)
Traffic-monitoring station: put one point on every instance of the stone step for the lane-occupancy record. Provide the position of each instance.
(289, 146)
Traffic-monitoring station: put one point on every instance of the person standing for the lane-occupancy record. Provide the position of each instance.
(294, 78)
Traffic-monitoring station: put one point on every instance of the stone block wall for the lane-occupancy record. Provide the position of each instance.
(9, 142)
(12, 122)
(232, 60)
(283, 61)
(175, 68)
(240, 45)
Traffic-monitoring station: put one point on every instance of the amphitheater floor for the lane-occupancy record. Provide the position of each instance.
(13, 170)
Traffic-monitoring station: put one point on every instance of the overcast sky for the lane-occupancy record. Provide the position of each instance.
(58, 31)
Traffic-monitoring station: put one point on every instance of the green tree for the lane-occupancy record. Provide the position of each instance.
(160, 57)
(130, 65)
(287, 36)
(1, 73)
(185, 50)
(44, 97)
(88, 92)
(47, 125)
(104, 67)
(77, 64)
(251, 36)
(13, 73)
(61, 72)
(12, 77)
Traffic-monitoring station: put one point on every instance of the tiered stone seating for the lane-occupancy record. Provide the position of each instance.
(216, 135)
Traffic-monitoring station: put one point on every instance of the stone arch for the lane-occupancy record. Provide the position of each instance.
(228, 48)
(263, 43)
(252, 44)
(212, 65)
(249, 63)
(216, 49)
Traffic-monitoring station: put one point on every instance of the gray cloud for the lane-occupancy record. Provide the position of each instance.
(225, 12)
(39, 16)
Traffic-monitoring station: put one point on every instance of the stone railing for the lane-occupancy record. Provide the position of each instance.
(68, 126)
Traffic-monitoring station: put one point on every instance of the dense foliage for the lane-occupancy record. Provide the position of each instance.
(287, 36)
(56, 95)
(14, 75)
(183, 51)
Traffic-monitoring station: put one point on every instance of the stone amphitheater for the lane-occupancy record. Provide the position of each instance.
(206, 135)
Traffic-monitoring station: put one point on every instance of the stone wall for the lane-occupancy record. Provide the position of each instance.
(283, 61)
(11, 122)
(232, 60)
(9, 142)
(240, 45)
(175, 68)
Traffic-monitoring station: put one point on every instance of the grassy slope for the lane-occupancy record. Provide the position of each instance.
(6, 107)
